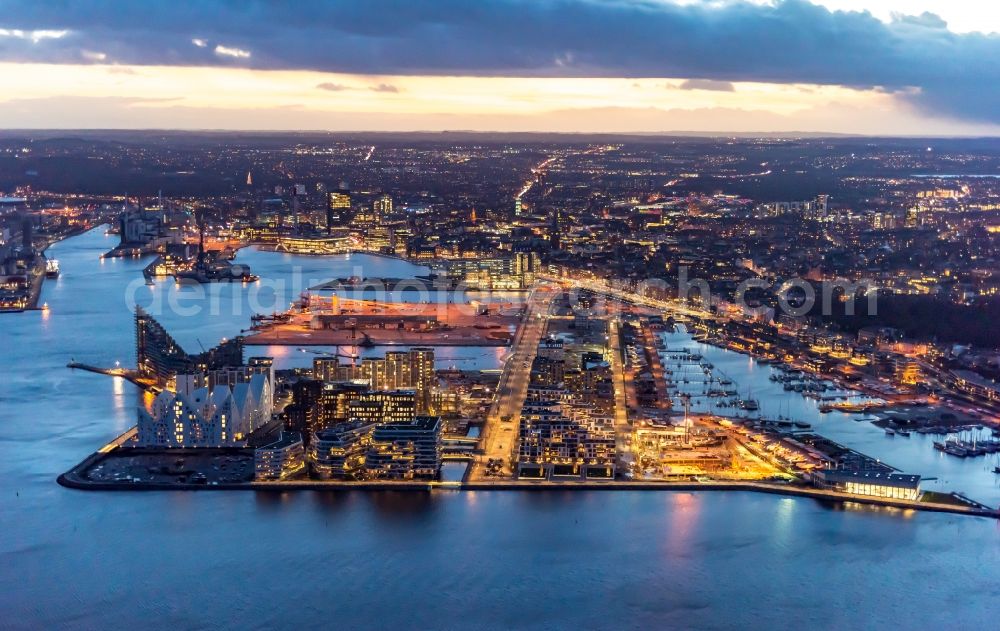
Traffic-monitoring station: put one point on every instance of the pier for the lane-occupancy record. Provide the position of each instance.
(129, 374)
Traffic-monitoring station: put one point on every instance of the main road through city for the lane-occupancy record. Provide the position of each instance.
(500, 432)
(676, 307)
(623, 430)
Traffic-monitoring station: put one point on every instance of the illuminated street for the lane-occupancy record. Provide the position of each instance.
(500, 430)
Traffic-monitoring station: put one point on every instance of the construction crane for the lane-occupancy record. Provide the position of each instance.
(686, 400)
(353, 357)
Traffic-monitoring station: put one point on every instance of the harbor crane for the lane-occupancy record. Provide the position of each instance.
(336, 353)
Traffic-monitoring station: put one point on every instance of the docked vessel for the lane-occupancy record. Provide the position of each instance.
(52, 268)
(952, 448)
(211, 267)
(955, 450)
(202, 273)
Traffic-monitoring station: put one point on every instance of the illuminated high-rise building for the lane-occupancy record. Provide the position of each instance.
(298, 193)
(382, 207)
(399, 370)
(414, 369)
(161, 358)
(383, 406)
(554, 235)
(513, 273)
(883, 221)
(338, 208)
(822, 204)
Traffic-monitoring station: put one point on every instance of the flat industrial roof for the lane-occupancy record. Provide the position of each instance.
(874, 477)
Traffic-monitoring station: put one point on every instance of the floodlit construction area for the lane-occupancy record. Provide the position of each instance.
(699, 448)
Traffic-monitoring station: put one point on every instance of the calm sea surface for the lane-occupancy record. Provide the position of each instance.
(440, 560)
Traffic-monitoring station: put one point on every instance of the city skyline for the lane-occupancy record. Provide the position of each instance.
(500, 314)
(655, 67)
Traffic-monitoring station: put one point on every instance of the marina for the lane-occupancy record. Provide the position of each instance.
(766, 382)
(683, 528)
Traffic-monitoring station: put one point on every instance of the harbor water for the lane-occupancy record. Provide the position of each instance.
(448, 559)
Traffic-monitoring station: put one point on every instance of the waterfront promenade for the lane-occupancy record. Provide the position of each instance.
(75, 479)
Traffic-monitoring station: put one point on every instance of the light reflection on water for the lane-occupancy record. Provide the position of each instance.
(425, 560)
(916, 454)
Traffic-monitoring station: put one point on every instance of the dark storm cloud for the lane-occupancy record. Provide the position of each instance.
(791, 41)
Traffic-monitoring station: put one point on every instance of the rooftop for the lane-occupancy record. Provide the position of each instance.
(873, 477)
(286, 439)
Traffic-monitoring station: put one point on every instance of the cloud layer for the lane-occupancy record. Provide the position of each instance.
(791, 41)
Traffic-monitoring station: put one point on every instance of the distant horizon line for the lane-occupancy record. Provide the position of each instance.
(443, 132)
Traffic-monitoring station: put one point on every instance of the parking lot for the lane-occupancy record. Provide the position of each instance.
(175, 466)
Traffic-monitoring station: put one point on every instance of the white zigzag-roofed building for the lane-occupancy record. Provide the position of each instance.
(221, 416)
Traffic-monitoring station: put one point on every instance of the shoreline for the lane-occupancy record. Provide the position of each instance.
(76, 477)
(72, 480)
(37, 274)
